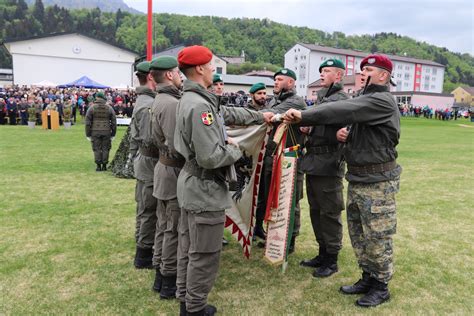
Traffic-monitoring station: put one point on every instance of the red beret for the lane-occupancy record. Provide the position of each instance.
(379, 61)
(194, 56)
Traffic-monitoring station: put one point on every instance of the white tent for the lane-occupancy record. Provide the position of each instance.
(45, 83)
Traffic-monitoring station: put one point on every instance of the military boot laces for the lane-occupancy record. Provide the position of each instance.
(360, 287)
(208, 310)
(377, 295)
(168, 289)
(158, 281)
(327, 268)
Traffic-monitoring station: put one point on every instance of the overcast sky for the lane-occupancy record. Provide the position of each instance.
(447, 23)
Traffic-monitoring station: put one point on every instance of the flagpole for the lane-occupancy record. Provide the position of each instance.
(150, 31)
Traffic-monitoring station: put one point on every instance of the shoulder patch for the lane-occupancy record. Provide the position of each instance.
(207, 118)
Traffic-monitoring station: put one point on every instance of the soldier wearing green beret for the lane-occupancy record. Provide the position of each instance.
(101, 126)
(217, 84)
(285, 98)
(324, 175)
(166, 74)
(258, 95)
(372, 172)
(145, 156)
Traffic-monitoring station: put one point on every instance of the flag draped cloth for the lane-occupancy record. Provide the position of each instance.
(240, 218)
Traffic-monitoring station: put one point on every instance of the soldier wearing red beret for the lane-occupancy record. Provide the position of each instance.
(372, 172)
(202, 189)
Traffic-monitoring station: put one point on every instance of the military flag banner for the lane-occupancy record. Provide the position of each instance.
(281, 201)
(240, 217)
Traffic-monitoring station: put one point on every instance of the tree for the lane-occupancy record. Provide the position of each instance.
(21, 10)
(38, 11)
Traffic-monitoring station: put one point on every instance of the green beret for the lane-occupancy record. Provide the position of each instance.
(217, 78)
(256, 87)
(100, 94)
(332, 62)
(164, 63)
(285, 72)
(144, 67)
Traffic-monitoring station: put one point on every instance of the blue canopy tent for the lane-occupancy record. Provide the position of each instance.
(84, 82)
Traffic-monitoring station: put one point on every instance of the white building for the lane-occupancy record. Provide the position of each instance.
(64, 57)
(410, 74)
(236, 83)
(220, 64)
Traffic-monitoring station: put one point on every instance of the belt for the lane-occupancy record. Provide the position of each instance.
(322, 149)
(192, 168)
(150, 152)
(369, 169)
(172, 162)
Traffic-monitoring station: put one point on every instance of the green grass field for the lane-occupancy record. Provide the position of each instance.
(67, 245)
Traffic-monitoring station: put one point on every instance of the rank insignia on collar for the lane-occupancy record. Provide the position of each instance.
(207, 118)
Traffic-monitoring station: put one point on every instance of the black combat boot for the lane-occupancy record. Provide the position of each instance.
(99, 168)
(208, 310)
(143, 258)
(315, 262)
(259, 232)
(225, 242)
(104, 167)
(360, 287)
(158, 281)
(168, 290)
(377, 294)
(182, 309)
(328, 267)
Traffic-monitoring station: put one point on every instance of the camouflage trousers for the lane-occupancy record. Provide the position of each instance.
(372, 221)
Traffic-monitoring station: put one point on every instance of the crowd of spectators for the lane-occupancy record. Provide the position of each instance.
(428, 112)
(16, 101)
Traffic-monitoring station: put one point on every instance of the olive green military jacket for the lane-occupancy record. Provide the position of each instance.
(282, 103)
(323, 137)
(100, 120)
(140, 131)
(163, 123)
(199, 136)
(375, 130)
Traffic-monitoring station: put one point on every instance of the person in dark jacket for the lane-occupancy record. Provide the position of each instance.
(101, 126)
(324, 172)
(372, 172)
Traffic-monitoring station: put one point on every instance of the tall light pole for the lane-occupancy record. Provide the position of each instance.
(149, 45)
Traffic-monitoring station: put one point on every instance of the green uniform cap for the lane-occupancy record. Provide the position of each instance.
(217, 78)
(257, 86)
(285, 72)
(100, 95)
(164, 63)
(332, 62)
(144, 67)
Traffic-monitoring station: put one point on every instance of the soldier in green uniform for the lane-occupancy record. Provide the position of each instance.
(324, 173)
(202, 191)
(285, 98)
(258, 97)
(373, 173)
(166, 74)
(217, 85)
(101, 126)
(145, 156)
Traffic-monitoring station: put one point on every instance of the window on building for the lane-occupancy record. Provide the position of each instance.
(426, 86)
(400, 67)
(433, 87)
(408, 100)
(427, 70)
(399, 75)
(407, 76)
(427, 78)
(418, 72)
(433, 78)
(219, 70)
(434, 71)
(407, 67)
(405, 84)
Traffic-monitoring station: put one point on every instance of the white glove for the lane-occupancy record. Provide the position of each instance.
(88, 138)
